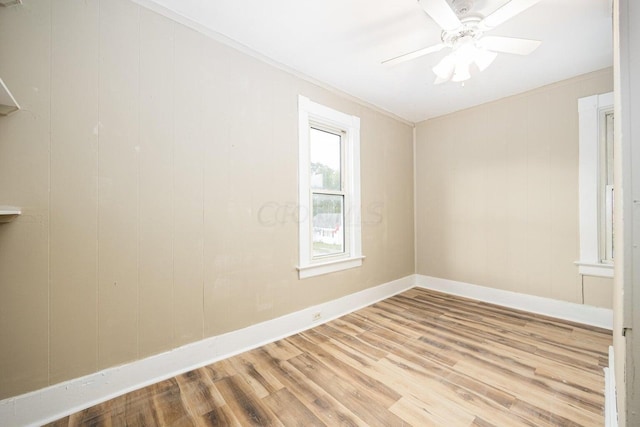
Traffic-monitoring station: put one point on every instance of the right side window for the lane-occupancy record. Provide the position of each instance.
(596, 185)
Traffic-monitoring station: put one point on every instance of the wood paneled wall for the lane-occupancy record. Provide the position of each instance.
(497, 194)
(142, 161)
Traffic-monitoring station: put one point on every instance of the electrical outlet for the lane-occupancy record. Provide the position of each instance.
(316, 316)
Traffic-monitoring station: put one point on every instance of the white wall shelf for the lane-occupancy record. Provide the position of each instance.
(8, 213)
(8, 103)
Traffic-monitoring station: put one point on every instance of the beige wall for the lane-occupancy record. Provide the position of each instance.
(598, 291)
(497, 193)
(141, 160)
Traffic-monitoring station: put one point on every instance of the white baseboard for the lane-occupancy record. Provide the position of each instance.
(59, 400)
(585, 314)
(610, 403)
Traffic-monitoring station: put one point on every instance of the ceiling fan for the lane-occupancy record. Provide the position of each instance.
(463, 32)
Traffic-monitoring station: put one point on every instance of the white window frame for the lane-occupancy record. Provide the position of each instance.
(311, 113)
(592, 110)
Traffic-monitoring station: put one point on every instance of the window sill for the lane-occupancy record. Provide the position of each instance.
(594, 269)
(312, 270)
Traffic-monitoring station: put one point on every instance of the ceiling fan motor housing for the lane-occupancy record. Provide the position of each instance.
(469, 30)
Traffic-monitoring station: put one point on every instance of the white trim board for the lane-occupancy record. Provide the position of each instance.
(610, 404)
(59, 400)
(585, 314)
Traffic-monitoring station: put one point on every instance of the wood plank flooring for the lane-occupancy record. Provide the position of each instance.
(420, 358)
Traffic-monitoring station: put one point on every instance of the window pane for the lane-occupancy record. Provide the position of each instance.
(325, 160)
(328, 224)
(609, 148)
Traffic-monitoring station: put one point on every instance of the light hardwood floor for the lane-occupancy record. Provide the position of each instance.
(420, 358)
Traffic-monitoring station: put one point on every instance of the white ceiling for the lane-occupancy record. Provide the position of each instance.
(342, 43)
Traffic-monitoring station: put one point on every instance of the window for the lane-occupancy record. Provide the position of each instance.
(596, 185)
(329, 190)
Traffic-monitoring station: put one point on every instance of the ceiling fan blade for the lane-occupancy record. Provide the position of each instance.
(484, 58)
(413, 55)
(441, 13)
(506, 12)
(508, 44)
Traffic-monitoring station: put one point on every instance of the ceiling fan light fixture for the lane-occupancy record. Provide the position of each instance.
(445, 68)
(439, 81)
(464, 51)
(456, 66)
(461, 73)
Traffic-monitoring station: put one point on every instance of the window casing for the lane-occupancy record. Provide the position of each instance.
(596, 190)
(329, 190)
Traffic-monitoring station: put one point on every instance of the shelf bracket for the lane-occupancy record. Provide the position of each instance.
(8, 103)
